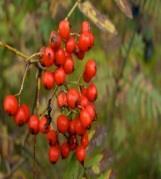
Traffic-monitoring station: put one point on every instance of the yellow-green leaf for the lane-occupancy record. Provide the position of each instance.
(96, 17)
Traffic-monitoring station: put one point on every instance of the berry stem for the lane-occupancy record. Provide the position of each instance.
(72, 9)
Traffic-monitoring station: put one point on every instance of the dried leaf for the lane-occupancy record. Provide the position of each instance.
(95, 16)
(125, 7)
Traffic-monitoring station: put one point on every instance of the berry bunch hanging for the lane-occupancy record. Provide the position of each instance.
(76, 104)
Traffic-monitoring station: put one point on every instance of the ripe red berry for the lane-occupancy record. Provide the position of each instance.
(71, 129)
(65, 150)
(79, 128)
(70, 45)
(80, 54)
(60, 57)
(22, 115)
(72, 97)
(91, 39)
(84, 42)
(84, 91)
(59, 76)
(72, 141)
(85, 140)
(62, 123)
(92, 92)
(33, 124)
(90, 108)
(90, 70)
(47, 57)
(83, 101)
(69, 66)
(64, 29)
(54, 154)
(51, 137)
(80, 153)
(10, 105)
(47, 79)
(43, 125)
(54, 40)
(85, 27)
(62, 99)
(85, 118)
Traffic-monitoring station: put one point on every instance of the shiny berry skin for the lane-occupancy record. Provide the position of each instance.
(33, 124)
(85, 27)
(85, 140)
(80, 54)
(72, 97)
(80, 153)
(64, 29)
(90, 70)
(71, 129)
(62, 99)
(62, 124)
(22, 115)
(51, 137)
(10, 105)
(60, 57)
(70, 45)
(91, 92)
(54, 40)
(47, 80)
(54, 154)
(83, 101)
(79, 128)
(91, 110)
(72, 141)
(43, 125)
(85, 118)
(69, 66)
(59, 76)
(84, 42)
(47, 57)
(65, 150)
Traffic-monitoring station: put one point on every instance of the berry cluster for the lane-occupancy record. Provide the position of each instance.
(75, 103)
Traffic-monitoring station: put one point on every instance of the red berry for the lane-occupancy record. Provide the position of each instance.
(72, 97)
(85, 27)
(72, 142)
(10, 105)
(83, 101)
(91, 39)
(92, 92)
(64, 29)
(69, 66)
(71, 129)
(54, 154)
(84, 91)
(79, 128)
(65, 150)
(62, 99)
(80, 153)
(90, 70)
(43, 125)
(22, 115)
(70, 45)
(85, 118)
(62, 123)
(51, 137)
(59, 76)
(54, 40)
(33, 124)
(60, 57)
(47, 58)
(47, 79)
(80, 54)
(84, 42)
(91, 110)
(85, 140)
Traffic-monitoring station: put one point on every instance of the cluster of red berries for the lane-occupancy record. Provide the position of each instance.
(76, 103)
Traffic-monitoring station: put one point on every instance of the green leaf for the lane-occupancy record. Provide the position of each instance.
(93, 160)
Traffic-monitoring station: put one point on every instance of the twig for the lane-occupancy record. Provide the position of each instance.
(23, 79)
(72, 9)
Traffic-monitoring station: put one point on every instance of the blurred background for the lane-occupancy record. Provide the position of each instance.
(126, 138)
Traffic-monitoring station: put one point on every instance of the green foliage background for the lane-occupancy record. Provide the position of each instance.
(126, 143)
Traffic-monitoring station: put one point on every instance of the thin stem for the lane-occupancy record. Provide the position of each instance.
(72, 9)
(35, 55)
(23, 80)
(15, 51)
